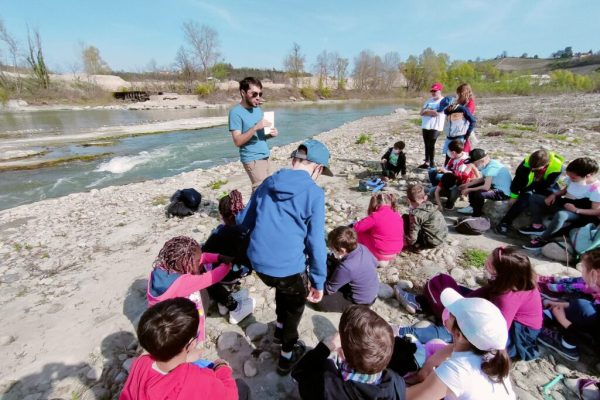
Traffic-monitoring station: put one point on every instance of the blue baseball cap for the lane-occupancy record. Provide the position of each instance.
(316, 152)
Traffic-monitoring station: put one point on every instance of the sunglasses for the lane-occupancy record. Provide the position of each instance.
(255, 94)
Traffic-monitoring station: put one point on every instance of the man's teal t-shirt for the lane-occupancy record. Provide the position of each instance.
(241, 119)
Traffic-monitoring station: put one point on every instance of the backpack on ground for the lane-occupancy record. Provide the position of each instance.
(433, 290)
(371, 185)
(585, 238)
(184, 202)
(472, 225)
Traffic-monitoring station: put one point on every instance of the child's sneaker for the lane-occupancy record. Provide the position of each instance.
(407, 300)
(535, 244)
(423, 166)
(466, 210)
(586, 389)
(237, 296)
(285, 365)
(244, 308)
(553, 339)
(532, 230)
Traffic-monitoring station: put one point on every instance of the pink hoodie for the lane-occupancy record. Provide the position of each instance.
(382, 233)
(186, 285)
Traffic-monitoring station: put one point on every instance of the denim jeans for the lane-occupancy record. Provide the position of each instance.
(434, 176)
(425, 334)
(290, 300)
(538, 208)
(522, 342)
(583, 314)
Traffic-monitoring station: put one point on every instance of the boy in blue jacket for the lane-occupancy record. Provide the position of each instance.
(286, 218)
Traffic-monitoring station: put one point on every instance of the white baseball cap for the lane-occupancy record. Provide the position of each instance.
(480, 321)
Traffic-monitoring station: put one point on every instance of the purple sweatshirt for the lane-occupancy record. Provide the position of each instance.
(359, 270)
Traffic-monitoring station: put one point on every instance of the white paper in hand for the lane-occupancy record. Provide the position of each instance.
(269, 116)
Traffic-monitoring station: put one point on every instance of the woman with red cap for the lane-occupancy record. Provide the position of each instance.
(432, 123)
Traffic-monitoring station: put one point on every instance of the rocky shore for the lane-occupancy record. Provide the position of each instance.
(73, 270)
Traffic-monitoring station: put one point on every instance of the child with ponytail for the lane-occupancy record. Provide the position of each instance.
(382, 231)
(231, 240)
(476, 365)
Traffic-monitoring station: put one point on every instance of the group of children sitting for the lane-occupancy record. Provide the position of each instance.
(467, 354)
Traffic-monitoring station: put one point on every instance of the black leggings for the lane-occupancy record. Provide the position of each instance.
(430, 137)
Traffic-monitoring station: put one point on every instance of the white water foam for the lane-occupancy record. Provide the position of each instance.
(121, 164)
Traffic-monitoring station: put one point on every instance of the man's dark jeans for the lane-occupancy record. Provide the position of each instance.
(290, 299)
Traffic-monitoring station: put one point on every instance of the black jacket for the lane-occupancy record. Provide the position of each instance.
(318, 378)
(400, 167)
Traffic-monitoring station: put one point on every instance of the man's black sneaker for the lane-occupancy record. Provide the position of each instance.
(285, 365)
(553, 339)
(531, 230)
(423, 166)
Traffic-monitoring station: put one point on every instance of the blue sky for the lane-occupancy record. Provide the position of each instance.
(129, 33)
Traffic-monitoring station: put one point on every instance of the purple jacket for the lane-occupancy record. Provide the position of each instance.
(358, 269)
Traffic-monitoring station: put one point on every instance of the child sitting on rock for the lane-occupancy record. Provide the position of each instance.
(178, 272)
(494, 183)
(394, 161)
(511, 287)
(575, 204)
(168, 331)
(352, 364)
(382, 231)
(352, 273)
(578, 318)
(425, 224)
(231, 240)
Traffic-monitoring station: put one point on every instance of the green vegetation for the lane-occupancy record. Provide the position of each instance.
(553, 136)
(160, 200)
(120, 225)
(17, 247)
(364, 138)
(204, 89)
(519, 127)
(308, 93)
(415, 121)
(474, 258)
(216, 185)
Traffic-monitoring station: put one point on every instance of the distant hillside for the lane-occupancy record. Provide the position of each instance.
(545, 65)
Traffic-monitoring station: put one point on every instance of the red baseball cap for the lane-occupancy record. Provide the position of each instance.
(437, 86)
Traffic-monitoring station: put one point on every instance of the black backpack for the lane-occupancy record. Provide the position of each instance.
(184, 202)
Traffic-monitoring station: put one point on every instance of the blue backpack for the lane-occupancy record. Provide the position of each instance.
(585, 238)
(373, 184)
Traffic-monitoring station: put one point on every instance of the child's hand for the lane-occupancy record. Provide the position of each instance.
(556, 304)
(571, 207)
(382, 161)
(549, 200)
(315, 296)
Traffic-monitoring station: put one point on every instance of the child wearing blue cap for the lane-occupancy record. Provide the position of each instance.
(286, 218)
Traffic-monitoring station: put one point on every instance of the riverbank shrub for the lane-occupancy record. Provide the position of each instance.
(308, 93)
(204, 89)
(364, 138)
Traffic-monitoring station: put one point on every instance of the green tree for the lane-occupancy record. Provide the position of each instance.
(35, 59)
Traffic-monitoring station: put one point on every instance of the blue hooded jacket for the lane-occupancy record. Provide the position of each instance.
(286, 215)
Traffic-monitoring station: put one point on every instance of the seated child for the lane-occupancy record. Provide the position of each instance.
(231, 240)
(352, 364)
(511, 287)
(578, 317)
(478, 365)
(382, 231)
(353, 277)
(494, 183)
(455, 163)
(168, 332)
(178, 272)
(576, 203)
(426, 225)
(394, 161)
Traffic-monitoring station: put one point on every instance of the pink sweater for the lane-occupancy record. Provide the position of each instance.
(187, 285)
(382, 233)
(523, 306)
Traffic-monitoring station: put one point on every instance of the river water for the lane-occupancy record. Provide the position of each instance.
(141, 158)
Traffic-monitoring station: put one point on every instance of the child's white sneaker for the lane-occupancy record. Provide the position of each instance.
(244, 308)
(237, 296)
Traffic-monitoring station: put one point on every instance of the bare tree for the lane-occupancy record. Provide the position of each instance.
(187, 69)
(339, 69)
(293, 64)
(36, 59)
(391, 69)
(368, 71)
(204, 42)
(93, 64)
(322, 67)
(13, 49)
